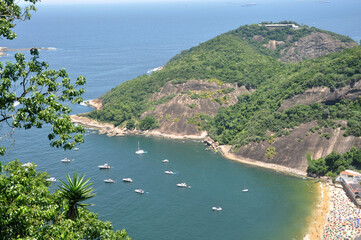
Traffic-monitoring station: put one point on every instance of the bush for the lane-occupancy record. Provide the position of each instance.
(149, 122)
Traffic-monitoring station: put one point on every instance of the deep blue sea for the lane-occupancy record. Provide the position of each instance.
(110, 44)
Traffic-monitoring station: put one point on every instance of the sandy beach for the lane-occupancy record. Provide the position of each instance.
(334, 215)
(317, 220)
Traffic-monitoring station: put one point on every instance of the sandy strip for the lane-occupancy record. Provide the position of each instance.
(318, 219)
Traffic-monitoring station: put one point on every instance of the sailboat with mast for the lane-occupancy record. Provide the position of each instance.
(139, 151)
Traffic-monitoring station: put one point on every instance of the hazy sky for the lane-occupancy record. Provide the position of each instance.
(115, 1)
(150, 1)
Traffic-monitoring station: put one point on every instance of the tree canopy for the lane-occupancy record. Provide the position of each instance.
(31, 94)
(28, 210)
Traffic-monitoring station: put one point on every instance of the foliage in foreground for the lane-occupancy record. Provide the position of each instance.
(31, 94)
(28, 210)
(76, 190)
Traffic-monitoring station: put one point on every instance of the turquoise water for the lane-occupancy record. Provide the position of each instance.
(275, 207)
(112, 44)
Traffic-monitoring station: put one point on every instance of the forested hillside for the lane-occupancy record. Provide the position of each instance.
(290, 75)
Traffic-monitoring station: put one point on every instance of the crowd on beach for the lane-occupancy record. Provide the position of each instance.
(343, 219)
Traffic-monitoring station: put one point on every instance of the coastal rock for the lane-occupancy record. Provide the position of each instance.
(324, 95)
(291, 150)
(179, 115)
(95, 103)
(312, 46)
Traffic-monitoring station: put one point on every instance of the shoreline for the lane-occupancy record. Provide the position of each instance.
(316, 222)
(225, 151)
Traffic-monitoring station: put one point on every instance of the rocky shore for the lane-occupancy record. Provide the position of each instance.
(225, 150)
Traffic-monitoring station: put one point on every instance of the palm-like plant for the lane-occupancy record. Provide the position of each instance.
(75, 191)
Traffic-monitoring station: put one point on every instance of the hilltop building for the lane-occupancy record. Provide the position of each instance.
(294, 26)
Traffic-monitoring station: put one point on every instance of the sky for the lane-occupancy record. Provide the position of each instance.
(150, 1)
(113, 1)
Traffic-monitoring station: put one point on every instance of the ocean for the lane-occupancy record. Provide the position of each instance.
(110, 44)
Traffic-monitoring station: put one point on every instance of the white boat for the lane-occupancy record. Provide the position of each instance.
(109, 180)
(169, 172)
(65, 160)
(245, 190)
(127, 180)
(76, 149)
(182, 184)
(105, 166)
(52, 179)
(140, 191)
(165, 161)
(139, 151)
(216, 208)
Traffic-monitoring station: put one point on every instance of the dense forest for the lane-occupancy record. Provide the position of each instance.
(241, 56)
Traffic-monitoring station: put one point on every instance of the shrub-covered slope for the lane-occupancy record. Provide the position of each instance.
(240, 56)
(262, 88)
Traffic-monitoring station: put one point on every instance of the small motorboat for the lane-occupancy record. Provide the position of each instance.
(105, 166)
(140, 191)
(245, 190)
(169, 172)
(165, 161)
(127, 180)
(182, 184)
(216, 208)
(52, 179)
(139, 151)
(109, 180)
(76, 149)
(65, 160)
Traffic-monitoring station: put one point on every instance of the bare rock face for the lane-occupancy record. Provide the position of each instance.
(291, 150)
(323, 95)
(95, 103)
(175, 115)
(258, 38)
(272, 44)
(313, 46)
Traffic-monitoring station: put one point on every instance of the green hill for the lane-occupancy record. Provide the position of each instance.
(253, 84)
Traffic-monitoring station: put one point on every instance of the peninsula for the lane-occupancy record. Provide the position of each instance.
(268, 94)
(276, 95)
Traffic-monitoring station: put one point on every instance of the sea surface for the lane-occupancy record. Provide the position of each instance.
(110, 44)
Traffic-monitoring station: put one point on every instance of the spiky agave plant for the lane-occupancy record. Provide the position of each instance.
(75, 191)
